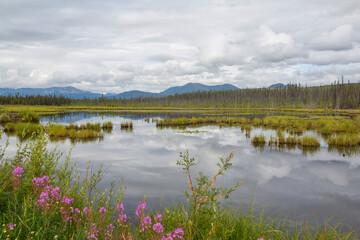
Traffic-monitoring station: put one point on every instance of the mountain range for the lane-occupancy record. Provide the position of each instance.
(72, 92)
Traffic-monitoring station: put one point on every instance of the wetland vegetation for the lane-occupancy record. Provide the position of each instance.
(43, 199)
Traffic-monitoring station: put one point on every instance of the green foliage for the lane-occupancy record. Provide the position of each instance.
(203, 197)
(309, 141)
(4, 117)
(29, 116)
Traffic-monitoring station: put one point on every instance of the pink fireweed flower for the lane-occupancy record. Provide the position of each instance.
(91, 236)
(140, 208)
(260, 239)
(178, 233)
(18, 171)
(122, 219)
(92, 231)
(76, 210)
(102, 209)
(17, 175)
(40, 181)
(86, 210)
(158, 228)
(67, 200)
(158, 218)
(120, 207)
(145, 223)
(109, 229)
(55, 193)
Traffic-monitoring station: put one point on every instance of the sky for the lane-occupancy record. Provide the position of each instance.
(151, 45)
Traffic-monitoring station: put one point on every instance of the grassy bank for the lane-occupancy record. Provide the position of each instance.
(42, 199)
(57, 131)
(68, 109)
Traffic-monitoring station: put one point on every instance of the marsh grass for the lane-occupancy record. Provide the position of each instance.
(126, 125)
(344, 140)
(291, 140)
(323, 125)
(309, 141)
(107, 125)
(258, 140)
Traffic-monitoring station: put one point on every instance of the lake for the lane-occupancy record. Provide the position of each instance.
(315, 185)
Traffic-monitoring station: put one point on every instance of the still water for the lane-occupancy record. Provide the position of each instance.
(314, 186)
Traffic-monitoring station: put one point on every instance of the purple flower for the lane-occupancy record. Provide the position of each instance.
(120, 207)
(158, 217)
(140, 208)
(145, 223)
(122, 219)
(76, 210)
(102, 209)
(109, 229)
(40, 181)
(67, 200)
(158, 228)
(86, 210)
(11, 226)
(18, 171)
(91, 236)
(55, 193)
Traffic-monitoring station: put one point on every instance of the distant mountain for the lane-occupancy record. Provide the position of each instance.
(70, 92)
(276, 85)
(135, 94)
(195, 87)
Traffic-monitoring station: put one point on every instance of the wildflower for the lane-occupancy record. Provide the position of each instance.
(102, 209)
(122, 219)
(158, 228)
(55, 193)
(11, 226)
(17, 175)
(76, 210)
(158, 217)
(120, 207)
(109, 229)
(40, 181)
(86, 210)
(140, 208)
(91, 236)
(67, 200)
(145, 223)
(179, 232)
(18, 171)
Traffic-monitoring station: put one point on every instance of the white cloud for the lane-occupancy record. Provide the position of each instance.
(278, 47)
(338, 39)
(115, 46)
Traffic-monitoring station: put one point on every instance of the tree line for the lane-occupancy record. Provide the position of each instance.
(338, 95)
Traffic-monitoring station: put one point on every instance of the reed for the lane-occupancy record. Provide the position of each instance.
(291, 140)
(344, 140)
(126, 125)
(309, 141)
(107, 125)
(56, 131)
(258, 139)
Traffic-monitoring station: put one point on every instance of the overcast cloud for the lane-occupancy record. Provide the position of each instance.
(150, 45)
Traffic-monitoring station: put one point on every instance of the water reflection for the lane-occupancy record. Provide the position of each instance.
(320, 182)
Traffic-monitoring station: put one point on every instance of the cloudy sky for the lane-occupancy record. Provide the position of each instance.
(119, 45)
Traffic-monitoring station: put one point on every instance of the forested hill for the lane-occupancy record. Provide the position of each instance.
(336, 96)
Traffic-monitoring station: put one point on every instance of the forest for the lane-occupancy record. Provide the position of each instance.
(338, 95)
